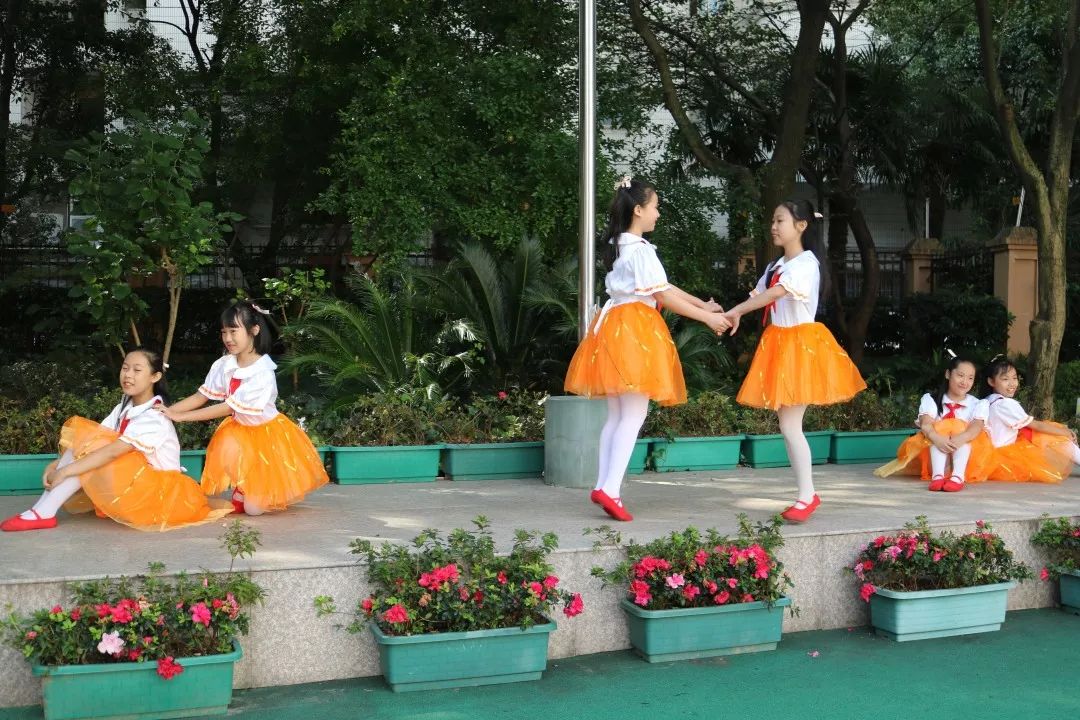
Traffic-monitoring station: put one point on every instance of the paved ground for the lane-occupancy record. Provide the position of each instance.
(1027, 670)
(316, 533)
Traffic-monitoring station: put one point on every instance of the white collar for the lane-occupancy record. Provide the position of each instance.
(630, 239)
(133, 412)
(781, 261)
(263, 363)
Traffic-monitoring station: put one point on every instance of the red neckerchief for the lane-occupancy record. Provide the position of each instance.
(234, 385)
(768, 308)
(953, 407)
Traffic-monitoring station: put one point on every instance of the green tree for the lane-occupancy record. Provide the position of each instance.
(138, 184)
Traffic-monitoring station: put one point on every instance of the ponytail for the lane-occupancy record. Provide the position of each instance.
(629, 194)
(811, 238)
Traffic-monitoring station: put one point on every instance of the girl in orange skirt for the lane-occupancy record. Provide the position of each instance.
(258, 451)
(1025, 449)
(950, 426)
(628, 356)
(127, 467)
(797, 362)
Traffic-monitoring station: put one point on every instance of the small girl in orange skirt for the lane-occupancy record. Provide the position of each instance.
(797, 361)
(127, 467)
(258, 451)
(950, 426)
(1025, 449)
(628, 356)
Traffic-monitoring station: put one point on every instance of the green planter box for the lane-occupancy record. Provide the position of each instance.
(877, 446)
(923, 614)
(697, 453)
(135, 690)
(193, 462)
(768, 451)
(689, 633)
(21, 474)
(639, 456)
(391, 464)
(1070, 592)
(463, 659)
(494, 461)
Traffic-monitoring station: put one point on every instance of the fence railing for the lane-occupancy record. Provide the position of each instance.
(891, 275)
(963, 269)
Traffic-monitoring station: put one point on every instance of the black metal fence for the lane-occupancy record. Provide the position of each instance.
(972, 268)
(891, 268)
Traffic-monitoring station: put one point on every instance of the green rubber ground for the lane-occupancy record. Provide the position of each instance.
(1027, 670)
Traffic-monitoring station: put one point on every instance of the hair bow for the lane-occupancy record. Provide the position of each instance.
(818, 215)
(259, 309)
(623, 183)
(950, 353)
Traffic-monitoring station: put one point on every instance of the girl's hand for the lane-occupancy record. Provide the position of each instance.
(170, 413)
(944, 444)
(712, 306)
(717, 323)
(53, 478)
(733, 320)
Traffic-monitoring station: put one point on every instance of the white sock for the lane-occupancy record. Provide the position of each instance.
(633, 407)
(605, 439)
(251, 507)
(51, 500)
(937, 462)
(1075, 453)
(959, 462)
(791, 417)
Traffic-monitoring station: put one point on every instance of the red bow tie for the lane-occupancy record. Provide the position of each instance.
(768, 308)
(953, 407)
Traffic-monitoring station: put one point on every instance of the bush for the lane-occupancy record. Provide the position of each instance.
(707, 414)
(34, 428)
(1066, 389)
(458, 584)
(865, 412)
(968, 320)
(1061, 538)
(507, 416)
(385, 419)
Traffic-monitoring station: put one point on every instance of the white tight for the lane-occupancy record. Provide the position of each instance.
(626, 414)
(798, 449)
(959, 461)
(251, 507)
(51, 501)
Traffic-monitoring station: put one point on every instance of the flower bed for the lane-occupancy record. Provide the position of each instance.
(1061, 539)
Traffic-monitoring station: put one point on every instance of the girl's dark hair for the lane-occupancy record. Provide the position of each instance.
(943, 388)
(811, 240)
(620, 214)
(161, 387)
(248, 315)
(998, 366)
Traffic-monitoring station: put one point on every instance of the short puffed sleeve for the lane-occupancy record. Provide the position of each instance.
(648, 273)
(981, 411)
(214, 386)
(1011, 413)
(254, 394)
(148, 431)
(112, 420)
(927, 406)
(798, 278)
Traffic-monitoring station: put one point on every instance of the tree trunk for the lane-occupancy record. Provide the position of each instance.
(858, 321)
(839, 214)
(9, 55)
(1047, 190)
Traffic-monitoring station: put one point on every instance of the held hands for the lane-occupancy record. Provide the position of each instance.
(712, 306)
(717, 322)
(53, 476)
(733, 320)
(942, 443)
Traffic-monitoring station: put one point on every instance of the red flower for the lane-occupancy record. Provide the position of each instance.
(501, 577)
(148, 640)
(1044, 574)
(536, 588)
(732, 582)
(30, 634)
(396, 614)
(866, 591)
(722, 598)
(747, 597)
(550, 581)
(463, 593)
(503, 395)
(120, 614)
(980, 524)
(217, 603)
(868, 565)
(701, 558)
(200, 614)
(102, 610)
(160, 620)
(169, 669)
(367, 604)
(76, 614)
(691, 591)
(57, 610)
(711, 587)
(478, 597)
(640, 588)
(133, 655)
(879, 541)
(574, 607)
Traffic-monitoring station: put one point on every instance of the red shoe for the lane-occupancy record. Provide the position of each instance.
(16, 523)
(238, 502)
(595, 496)
(801, 514)
(951, 486)
(99, 513)
(613, 507)
(937, 483)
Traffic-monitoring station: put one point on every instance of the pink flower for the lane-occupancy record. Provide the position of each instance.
(550, 581)
(367, 604)
(675, 581)
(938, 554)
(732, 582)
(711, 587)
(501, 577)
(575, 606)
(463, 593)
(866, 591)
(691, 591)
(747, 597)
(640, 588)
(980, 524)
(234, 606)
(536, 587)
(761, 572)
(396, 614)
(701, 558)
(57, 610)
(168, 668)
(503, 395)
(217, 603)
(111, 644)
(1044, 574)
(30, 634)
(76, 614)
(722, 598)
(813, 653)
(200, 614)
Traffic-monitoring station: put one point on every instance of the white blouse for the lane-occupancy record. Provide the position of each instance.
(1006, 417)
(635, 275)
(970, 408)
(148, 431)
(801, 277)
(250, 391)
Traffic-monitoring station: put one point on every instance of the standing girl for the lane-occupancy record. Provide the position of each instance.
(950, 426)
(127, 467)
(1025, 449)
(258, 451)
(628, 356)
(797, 362)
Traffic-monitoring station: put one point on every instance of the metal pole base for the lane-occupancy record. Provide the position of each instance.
(572, 440)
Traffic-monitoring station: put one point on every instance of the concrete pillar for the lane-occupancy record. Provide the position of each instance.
(1016, 281)
(916, 257)
(572, 440)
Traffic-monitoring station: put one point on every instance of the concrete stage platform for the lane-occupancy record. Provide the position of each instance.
(304, 552)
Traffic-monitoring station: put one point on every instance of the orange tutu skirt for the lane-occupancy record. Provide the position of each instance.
(799, 365)
(1043, 458)
(913, 456)
(274, 464)
(129, 490)
(630, 352)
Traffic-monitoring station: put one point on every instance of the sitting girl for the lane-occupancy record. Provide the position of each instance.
(950, 426)
(127, 467)
(1025, 449)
